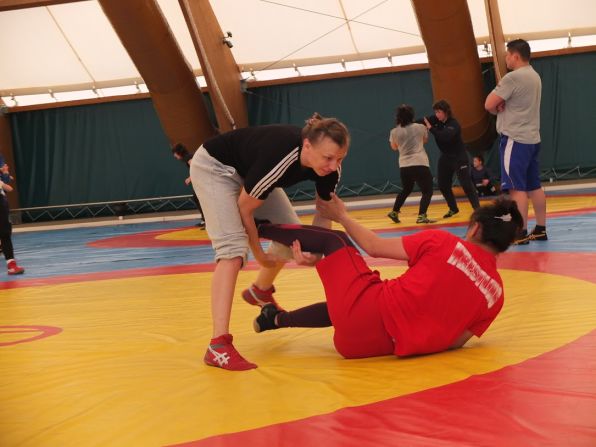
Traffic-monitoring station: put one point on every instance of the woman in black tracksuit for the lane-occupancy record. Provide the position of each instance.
(454, 158)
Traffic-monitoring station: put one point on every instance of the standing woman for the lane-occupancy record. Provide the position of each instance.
(12, 268)
(408, 138)
(239, 176)
(454, 158)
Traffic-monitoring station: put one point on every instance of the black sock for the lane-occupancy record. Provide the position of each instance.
(315, 315)
(538, 228)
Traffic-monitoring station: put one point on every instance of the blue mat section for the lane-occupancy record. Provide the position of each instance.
(65, 252)
(50, 253)
(566, 234)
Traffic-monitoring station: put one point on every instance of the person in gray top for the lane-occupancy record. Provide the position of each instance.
(408, 138)
(516, 102)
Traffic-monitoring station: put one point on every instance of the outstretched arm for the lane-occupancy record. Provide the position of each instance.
(372, 244)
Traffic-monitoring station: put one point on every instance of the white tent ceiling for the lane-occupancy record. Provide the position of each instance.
(73, 46)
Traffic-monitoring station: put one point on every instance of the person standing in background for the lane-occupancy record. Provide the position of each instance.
(5, 225)
(454, 158)
(516, 102)
(408, 139)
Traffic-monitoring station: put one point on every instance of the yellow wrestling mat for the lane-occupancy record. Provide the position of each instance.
(118, 362)
(127, 369)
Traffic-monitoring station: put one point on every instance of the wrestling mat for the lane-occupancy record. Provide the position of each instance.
(102, 340)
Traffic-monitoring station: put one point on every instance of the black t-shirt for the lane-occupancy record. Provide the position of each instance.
(186, 158)
(268, 157)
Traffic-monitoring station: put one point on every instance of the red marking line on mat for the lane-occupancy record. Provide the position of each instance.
(113, 274)
(146, 239)
(46, 331)
(547, 399)
(574, 265)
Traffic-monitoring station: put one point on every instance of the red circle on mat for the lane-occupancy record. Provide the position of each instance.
(38, 331)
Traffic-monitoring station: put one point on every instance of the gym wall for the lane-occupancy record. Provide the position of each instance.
(117, 151)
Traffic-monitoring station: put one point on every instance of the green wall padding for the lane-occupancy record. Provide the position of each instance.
(94, 153)
(118, 151)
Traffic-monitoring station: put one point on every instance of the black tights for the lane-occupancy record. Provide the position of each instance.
(5, 229)
(315, 240)
(409, 176)
(448, 166)
(312, 239)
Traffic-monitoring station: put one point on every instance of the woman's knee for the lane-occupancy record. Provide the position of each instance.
(231, 246)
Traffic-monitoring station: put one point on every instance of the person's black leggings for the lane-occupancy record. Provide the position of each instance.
(315, 240)
(409, 176)
(312, 238)
(448, 166)
(6, 229)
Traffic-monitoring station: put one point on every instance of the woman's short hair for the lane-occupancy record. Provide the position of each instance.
(404, 115)
(318, 127)
(443, 105)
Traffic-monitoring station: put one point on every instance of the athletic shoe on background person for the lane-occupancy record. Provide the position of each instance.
(538, 234)
(450, 213)
(13, 268)
(522, 239)
(422, 218)
(393, 215)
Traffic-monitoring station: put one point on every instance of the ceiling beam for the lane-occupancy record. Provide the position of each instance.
(497, 38)
(148, 39)
(9, 5)
(455, 70)
(217, 62)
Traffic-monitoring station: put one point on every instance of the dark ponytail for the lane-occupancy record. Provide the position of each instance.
(501, 223)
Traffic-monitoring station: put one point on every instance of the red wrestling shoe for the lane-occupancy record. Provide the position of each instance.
(221, 353)
(257, 297)
(13, 268)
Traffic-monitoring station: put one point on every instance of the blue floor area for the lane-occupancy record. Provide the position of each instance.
(51, 253)
(566, 234)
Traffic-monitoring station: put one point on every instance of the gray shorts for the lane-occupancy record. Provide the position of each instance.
(218, 187)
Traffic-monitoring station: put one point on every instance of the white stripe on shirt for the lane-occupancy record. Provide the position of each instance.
(275, 174)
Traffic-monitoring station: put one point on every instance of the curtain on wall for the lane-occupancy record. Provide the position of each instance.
(118, 151)
(94, 153)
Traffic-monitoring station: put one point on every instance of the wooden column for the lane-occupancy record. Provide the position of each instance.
(456, 75)
(497, 39)
(145, 34)
(219, 68)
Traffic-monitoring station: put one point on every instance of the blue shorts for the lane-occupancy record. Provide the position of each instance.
(519, 165)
